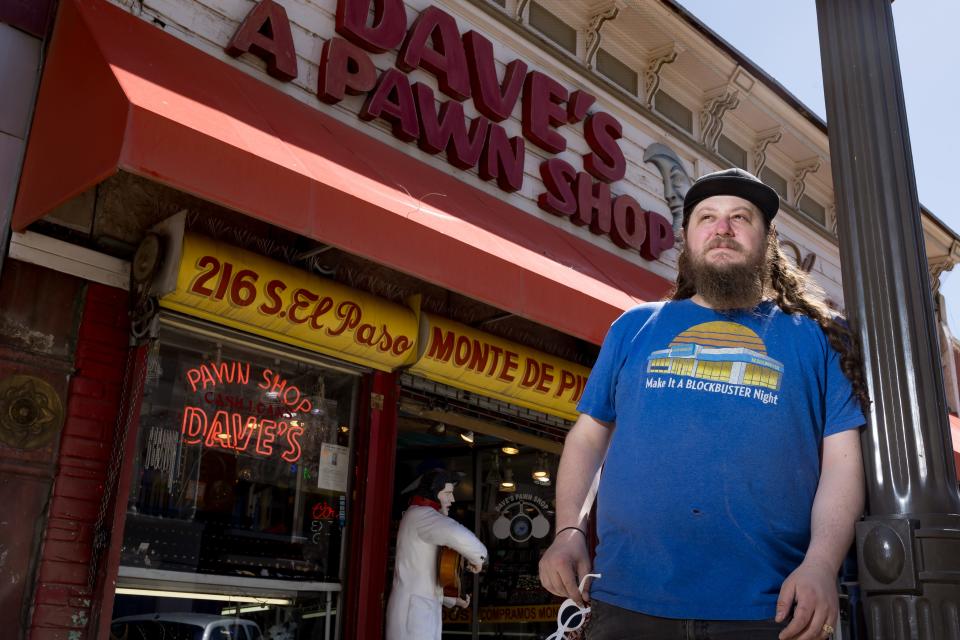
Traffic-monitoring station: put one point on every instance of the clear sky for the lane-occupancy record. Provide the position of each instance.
(780, 36)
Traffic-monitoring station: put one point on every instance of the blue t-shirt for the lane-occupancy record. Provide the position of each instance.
(704, 503)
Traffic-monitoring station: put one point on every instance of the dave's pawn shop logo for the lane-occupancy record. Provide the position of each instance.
(521, 518)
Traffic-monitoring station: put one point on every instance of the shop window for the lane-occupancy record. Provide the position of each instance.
(543, 20)
(675, 112)
(240, 485)
(507, 498)
(773, 179)
(731, 151)
(814, 210)
(620, 73)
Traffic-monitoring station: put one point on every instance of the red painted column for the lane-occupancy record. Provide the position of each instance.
(63, 600)
(373, 490)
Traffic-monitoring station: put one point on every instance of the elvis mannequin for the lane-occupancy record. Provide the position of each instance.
(416, 598)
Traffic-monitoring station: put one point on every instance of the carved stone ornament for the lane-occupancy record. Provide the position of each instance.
(520, 10)
(800, 178)
(594, 37)
(711, 117)
(31, 413)
(938, 265)
(676, 180)
(651, 74)
(764, 140)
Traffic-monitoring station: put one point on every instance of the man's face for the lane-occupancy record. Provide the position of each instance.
(725, 252)
(725, 231)
(446, 498)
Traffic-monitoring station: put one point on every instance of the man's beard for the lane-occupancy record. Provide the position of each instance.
(727, 286)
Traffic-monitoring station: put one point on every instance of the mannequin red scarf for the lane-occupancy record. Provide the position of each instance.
(419, 501)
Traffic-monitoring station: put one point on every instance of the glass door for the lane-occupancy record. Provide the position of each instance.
(507, 498)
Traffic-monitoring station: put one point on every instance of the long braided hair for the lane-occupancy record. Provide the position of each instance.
(795, 291)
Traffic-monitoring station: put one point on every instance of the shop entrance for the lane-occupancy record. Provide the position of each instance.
(506, 497)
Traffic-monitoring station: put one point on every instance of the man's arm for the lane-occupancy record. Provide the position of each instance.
(567, 559)
(836, 508)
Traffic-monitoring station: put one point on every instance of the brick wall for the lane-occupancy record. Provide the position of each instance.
(63, 602)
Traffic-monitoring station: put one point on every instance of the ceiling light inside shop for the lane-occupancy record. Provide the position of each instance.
(467, 436)
(232, 611)
(189, 595)
(507, 484)
(510, 449)
(541, 471)
(437, 429)
(543, 482)
(344, 428)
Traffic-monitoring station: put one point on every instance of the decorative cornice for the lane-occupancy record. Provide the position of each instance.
(937, 265)
(711, 116)
(594, 37)
(651, 74)
(764, 140)
(832, 218)
(520, 10)
(800, 178)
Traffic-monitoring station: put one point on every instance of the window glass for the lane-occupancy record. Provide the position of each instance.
(241, 474)
(773, 179)
(553, 27)
(813, 209)
(508, 501)
(733, 152)
(673, 110)
(611, 66)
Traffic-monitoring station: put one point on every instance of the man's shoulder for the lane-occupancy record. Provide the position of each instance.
(642, 312)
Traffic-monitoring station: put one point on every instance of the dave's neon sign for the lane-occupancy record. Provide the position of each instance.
(244, 432)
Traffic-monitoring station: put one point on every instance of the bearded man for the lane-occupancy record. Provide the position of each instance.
(727, 423)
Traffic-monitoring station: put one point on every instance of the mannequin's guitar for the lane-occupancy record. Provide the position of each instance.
(450, 565)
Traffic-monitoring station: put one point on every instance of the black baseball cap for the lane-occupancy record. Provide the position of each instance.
(732, 182)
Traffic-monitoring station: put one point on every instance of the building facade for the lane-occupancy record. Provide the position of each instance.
(271, 261)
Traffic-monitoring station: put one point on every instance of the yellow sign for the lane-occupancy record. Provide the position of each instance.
(246, 291)
(493, 615)
(457, 355)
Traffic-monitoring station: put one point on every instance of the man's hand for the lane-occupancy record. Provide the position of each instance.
(562, 565)
(474, 568)
(813, 587)
(463, 602)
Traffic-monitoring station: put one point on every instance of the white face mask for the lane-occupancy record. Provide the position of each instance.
(446, 498)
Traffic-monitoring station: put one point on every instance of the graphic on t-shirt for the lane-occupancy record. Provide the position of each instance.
(724, 352)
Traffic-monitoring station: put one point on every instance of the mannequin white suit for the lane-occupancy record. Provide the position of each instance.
(414, 609)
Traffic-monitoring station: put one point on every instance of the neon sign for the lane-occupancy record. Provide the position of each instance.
(261, 429)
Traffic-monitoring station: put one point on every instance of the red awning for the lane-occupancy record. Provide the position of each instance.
(121, 94)
(955, 435)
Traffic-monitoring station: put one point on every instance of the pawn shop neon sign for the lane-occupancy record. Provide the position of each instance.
(229, 422)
